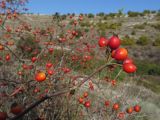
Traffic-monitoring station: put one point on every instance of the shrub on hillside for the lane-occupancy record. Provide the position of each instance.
(134, 14)
(101, 14)
(133, 32)
(105, 17)
(90, 15)
(85, 24)
(102, 26)
(60, 80)
(112, 15)
(140, 26)
(156, 26)
(115, 25)
(143, 40)
(145, 12)
(157, 42)
(153, 11)
(128, 40)
(148, 68)
(102, 33)
(158, 14)
(105, 25)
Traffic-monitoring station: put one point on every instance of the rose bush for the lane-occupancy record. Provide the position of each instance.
(52, 72)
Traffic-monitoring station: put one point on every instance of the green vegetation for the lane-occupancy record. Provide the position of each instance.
(101, 14)
(90, 15)
(158, 14)
(134, 14)
(112, 15)
(150, 82)
(102, 33)
(133, 32)
(145, 12)
(63, 17)
(85, 24)
(157, 42)
(156, 26)
(115, 25)
(92, 65)
(71, 22)
(148, 68)
(103, 26)
(128, 40)
(153, 11)
(149, 72)
(143, 40)
(140, 26)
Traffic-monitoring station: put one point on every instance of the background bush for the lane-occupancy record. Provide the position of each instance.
(140, 26)
(143, 40)
(156, 26)
(157, 42)
(148, 68)
(128, 40)
(134, 14)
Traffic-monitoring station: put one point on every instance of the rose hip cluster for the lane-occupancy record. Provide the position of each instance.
(118, 53)
(84, 100)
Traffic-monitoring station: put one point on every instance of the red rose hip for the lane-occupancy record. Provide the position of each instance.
(121, 54)
(137, 108)
(114, 42)
(129, 68)
(102, 42)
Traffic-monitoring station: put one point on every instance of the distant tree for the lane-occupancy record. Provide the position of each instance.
(120, 12)
(133, 14)
(90, 15)
(56, 15)
(101, 14)
(85, 15)
(112, 14)
(73, 14)
(153, 11)
(145, 12)
(81, 14)
(63, 17)
(68, 14)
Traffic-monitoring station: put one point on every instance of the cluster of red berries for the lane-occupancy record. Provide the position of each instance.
(119, 54)
(129, 110)
(86, 103)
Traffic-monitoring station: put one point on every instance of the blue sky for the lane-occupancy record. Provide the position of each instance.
(90, 6)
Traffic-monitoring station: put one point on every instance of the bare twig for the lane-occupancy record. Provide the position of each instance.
(37, 103)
